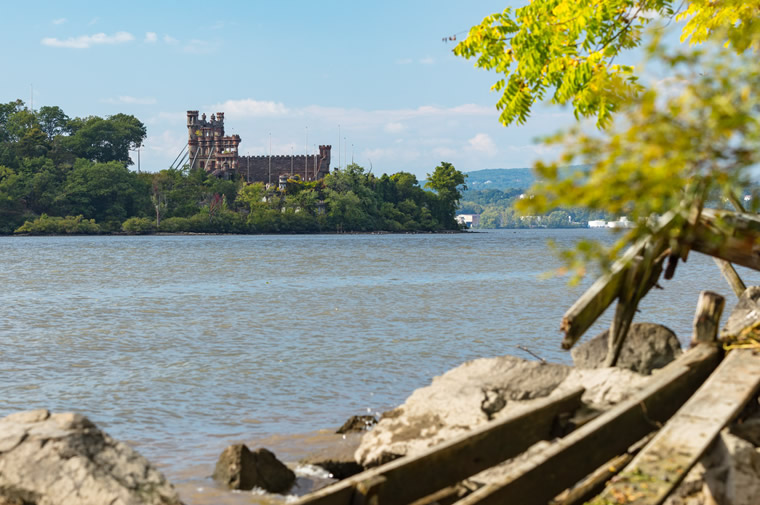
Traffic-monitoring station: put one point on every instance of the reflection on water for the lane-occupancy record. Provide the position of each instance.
(182, 345)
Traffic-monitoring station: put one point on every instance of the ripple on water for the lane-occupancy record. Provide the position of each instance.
(183, 345)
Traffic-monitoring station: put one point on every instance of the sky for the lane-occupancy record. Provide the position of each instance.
(374, 78)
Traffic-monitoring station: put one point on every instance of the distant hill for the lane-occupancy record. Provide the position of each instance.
(500, 178)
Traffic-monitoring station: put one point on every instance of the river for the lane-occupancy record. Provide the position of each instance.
(181, 345)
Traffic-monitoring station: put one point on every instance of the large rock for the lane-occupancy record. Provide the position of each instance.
(746, 313)
(338, 457)
(648, 346)
(478, 391)
(356, 424)
(64, 459)
(240, 468)
(728, 474)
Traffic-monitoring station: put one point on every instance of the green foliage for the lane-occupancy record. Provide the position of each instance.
(52, 165)
(448, 183)
(138, 225)
(564, 50)
(50, 225)
(673, 147)
(666, 152)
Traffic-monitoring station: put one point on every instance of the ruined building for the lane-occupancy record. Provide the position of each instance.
(213, 151)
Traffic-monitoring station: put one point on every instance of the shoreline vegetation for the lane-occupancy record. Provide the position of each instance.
(63, 176)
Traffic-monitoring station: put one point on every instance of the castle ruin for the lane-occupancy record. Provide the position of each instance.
(216, 153)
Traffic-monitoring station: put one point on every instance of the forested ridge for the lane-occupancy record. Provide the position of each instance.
(71, 176)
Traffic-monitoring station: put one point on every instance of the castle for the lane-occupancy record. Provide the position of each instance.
(216, 153)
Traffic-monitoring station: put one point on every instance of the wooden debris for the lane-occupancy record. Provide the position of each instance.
(407, 479)
(729, 273)
(569, 459)
(663, 463)
(730, 236)
(582, 314)
(707, 317)
(594, 483)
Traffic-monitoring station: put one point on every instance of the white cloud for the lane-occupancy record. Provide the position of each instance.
(131, 100)
(170, 40)
(59, 21)
(404, 61)
(93, 21)
(394, 127)
(427, 61)
(482, 143)
(151, 37)
(86, 41)
(251, 108)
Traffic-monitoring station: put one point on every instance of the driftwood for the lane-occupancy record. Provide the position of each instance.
(663, 463)
(733, 279)
(611, 286)
(594, 483)
(707, 317)
(730, 236)
(569, 459)
(407, 479)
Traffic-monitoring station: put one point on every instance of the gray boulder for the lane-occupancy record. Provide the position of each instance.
(478, 391)
(64, 459)
(240, 468)
(746, 313)
(337, 457)
(647, 347)
(356, 424)
(728, 474)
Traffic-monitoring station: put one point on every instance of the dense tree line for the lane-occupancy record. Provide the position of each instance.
(71, 175)
(497, 210)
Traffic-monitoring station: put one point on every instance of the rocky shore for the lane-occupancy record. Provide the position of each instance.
(51, 459)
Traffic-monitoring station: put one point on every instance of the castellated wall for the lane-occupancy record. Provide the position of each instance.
(256, 168)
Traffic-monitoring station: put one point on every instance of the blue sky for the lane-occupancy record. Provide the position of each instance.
(295, 70)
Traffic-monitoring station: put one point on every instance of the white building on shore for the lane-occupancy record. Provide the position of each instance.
(623, 222)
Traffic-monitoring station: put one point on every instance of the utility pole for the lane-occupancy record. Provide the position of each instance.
(338, 147)
(270, 158)
(306, 157)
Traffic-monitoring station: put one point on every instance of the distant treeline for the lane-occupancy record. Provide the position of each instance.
(70, 175)
(496, 209)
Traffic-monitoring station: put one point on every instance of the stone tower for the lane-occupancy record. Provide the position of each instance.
(209, 148)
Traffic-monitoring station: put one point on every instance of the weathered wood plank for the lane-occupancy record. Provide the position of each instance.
(594, 483)
(729, 273)
(642, 276)
(571, 458)
(707, 317)
(407, 479)
(731, 236)
(582, 314)
(660, 467)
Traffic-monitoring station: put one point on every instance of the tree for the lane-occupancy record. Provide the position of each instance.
(53, 121)
(662, 151)
(564, 49)
(104, 140)
(448, 183)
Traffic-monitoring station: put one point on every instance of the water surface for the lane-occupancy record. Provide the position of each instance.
(184, 344)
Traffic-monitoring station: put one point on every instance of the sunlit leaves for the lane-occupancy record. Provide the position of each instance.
(669, 150)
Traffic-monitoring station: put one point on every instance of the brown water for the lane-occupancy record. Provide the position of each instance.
(183, 345)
